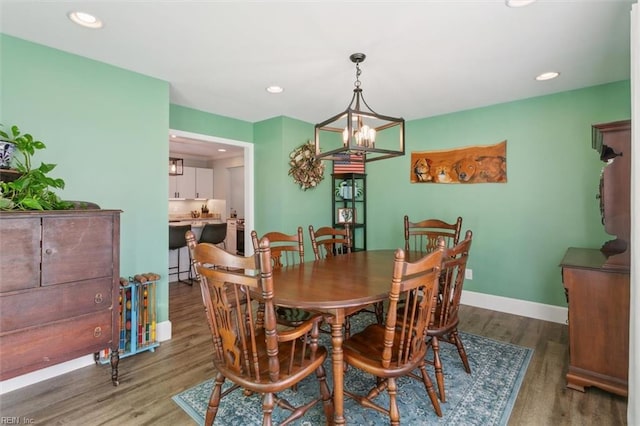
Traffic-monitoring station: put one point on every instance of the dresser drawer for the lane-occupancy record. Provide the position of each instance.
(54, 303)
(40, 347)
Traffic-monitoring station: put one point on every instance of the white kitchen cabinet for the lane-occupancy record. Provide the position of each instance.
(183, 186)
(194, 183)
(204, 183)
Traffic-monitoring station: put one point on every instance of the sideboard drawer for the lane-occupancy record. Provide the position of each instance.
(47, 304)
(40, 347)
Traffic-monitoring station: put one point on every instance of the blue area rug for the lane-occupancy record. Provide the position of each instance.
(485, 397)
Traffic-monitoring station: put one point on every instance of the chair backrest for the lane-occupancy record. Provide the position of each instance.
(213, 233)
(239, 339)
(285, 249)
(328, 241)
(411, 297)
(454, 264)
(423, 236)
(177, 236)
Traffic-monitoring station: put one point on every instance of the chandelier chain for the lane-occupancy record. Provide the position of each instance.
(358, 72)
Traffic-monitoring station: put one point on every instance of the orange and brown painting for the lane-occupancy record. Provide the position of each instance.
(473, 164)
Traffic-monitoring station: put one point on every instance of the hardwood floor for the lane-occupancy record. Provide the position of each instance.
(148, 380)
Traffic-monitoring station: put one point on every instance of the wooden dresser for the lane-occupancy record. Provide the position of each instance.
(597, 281)
(59, 282)
(598, 321)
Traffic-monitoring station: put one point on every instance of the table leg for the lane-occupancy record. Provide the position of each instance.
(338, 367)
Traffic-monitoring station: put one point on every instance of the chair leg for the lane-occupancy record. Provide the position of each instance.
(347, 328)
(189, 277)
(327, 400)
(268, 403)
(463, 354)
(430, 391)
(379, 310)
(394, 411)
(437, 363)
(214, 402)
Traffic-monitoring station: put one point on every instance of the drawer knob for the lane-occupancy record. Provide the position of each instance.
(48, 251)
(97, 332)
(98, 298)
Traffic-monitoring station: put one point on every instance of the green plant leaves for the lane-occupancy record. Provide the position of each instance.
(31, 191)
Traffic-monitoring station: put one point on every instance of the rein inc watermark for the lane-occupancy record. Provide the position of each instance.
(16, 420)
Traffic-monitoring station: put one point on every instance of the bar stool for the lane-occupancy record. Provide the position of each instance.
(214, 233)
(177, 241)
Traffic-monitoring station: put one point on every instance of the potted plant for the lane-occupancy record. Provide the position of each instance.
(32, 190)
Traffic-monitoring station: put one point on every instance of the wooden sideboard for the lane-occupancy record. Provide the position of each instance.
(597, 281)
(59, 282)
(598, 321)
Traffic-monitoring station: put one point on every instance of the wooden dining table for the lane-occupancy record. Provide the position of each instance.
(336, 286)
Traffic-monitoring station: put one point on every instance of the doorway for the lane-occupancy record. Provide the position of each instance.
(238, 174)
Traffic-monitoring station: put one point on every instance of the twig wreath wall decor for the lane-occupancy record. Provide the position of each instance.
(307, 171)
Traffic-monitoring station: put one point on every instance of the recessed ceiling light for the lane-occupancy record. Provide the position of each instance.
(547, 76)
(85, 19)
(222, 150)
(275, 89)
(518, 3)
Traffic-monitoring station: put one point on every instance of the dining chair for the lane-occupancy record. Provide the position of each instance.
(256, 357)
(286, 250)
(398, 347)
(444, 321)
(423, 235)
(328, 241)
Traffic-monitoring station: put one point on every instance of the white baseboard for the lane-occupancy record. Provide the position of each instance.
(163, 332)
(45, 373)
(515, 306)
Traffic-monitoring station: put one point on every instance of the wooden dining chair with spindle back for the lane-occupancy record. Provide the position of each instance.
(327, 241)
(286, 250)
(398, 347)
(257, 357)
(423, 235)
(444, 322)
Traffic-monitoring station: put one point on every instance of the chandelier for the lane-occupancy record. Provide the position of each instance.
(359, 133)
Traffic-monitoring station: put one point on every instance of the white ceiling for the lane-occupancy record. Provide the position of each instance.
(424, 58)
(188, 148)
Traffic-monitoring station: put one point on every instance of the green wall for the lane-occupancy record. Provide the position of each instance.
(280, 203)
(193, 120)
(521, 228)
(106, 128)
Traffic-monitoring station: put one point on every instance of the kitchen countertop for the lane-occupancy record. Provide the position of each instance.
(195, 222)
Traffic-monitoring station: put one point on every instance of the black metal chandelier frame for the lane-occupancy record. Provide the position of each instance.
(359, 138)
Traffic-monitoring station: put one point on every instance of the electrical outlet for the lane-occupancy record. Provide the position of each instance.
(468, 274)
